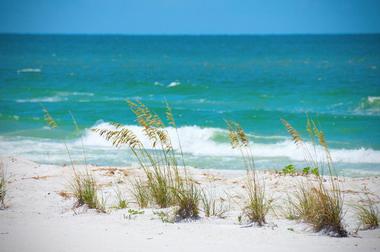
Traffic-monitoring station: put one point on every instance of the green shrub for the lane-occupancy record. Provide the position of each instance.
(289, 170)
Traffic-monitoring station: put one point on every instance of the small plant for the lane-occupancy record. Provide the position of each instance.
(315, 171)
(368, 215)
(3, 187)
(84, 189)
(289, 170)
(140, 192)
(211, 206)
(165, 217)
(258, 205)
(315, 203)
(306, 170)
(132, 213)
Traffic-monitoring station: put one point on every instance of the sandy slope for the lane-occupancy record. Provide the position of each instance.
(39, 219)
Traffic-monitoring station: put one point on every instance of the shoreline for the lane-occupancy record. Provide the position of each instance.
(40, 217)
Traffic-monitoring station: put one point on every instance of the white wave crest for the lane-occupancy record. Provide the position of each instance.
(174, 84)
(43, 99)
(29, 70)
(199, 141)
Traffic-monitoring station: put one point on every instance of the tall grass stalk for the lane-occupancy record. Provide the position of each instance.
(316, 203)
(258, 204)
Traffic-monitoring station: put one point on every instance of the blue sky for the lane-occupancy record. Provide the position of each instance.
(190, 17)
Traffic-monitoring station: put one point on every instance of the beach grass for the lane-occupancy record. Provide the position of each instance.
(159, 161)
(211, 205)
(85, 190)
(368, 215)
(258, 204)
(140, 192)
(3, 187)
(318, 203)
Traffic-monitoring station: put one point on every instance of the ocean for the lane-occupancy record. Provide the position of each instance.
(254, 80)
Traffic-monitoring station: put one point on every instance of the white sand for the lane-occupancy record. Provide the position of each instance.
(39, 219)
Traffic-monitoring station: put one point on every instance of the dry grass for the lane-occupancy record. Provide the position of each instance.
(368, 215)
(318, 203)
(258, 204)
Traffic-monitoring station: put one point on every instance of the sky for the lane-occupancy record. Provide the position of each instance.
(190, 16)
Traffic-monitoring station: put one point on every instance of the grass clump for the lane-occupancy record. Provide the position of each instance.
(187, 198)
(85, 190)
(212, 206)
(3, 187)
(315, 202)
(164, 186)
(258, 204)
(368, 215)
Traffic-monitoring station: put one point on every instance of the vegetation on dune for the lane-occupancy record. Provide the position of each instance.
(258, 204)
(164, 186)
(318, 203)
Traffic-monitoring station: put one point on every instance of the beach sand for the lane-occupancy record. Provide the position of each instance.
(40, 217)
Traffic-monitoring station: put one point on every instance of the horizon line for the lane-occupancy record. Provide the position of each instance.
(188, 34)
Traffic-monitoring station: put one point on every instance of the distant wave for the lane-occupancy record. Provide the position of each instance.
(174, 84)
(29, 70)
(43, 99)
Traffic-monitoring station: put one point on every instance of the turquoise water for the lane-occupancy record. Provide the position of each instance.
(255, 80)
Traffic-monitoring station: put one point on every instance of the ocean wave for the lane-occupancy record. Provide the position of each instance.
(200, 142)
(75, 94)
(43, 99)
(369, 106)
(174, 84)
(29, 70)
